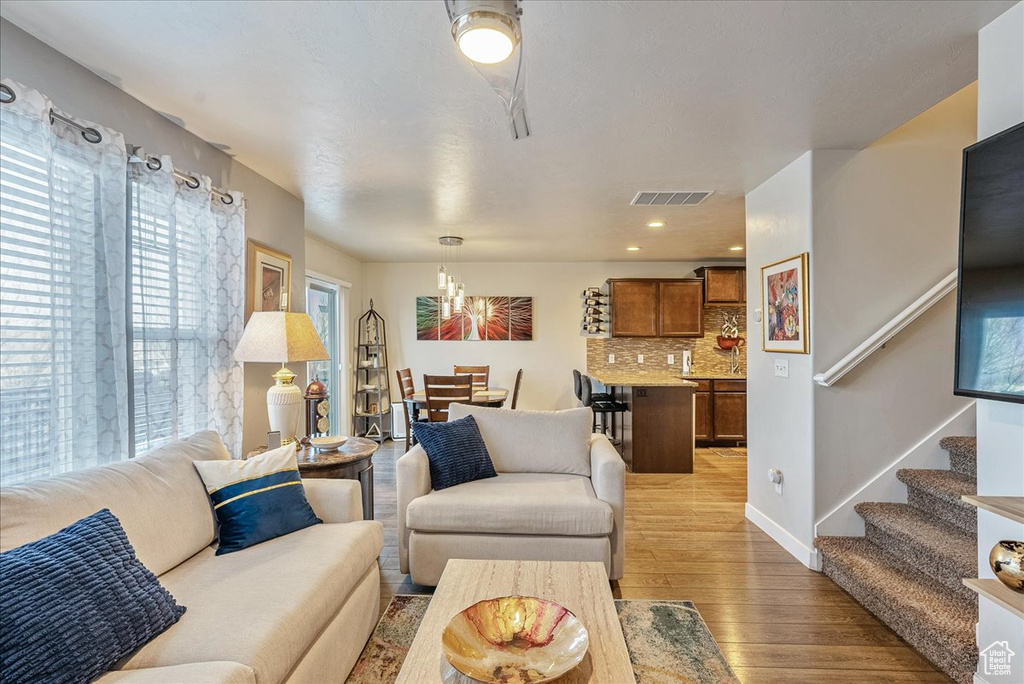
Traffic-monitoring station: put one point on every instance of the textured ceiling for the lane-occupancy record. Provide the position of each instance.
(367, 111)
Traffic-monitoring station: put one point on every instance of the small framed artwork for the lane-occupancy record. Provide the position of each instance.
(785, 303)
(270, 277)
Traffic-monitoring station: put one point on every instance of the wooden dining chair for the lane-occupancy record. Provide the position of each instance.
(515, 388)
(443, 390)
(407, 389)
(481, 375)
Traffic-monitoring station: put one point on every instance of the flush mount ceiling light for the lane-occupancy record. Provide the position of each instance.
(486, 37)
(656, 224)
(488, 33)
(632, 249)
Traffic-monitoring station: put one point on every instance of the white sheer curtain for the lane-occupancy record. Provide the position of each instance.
(63, 371)
(74, 215)
(187, 306)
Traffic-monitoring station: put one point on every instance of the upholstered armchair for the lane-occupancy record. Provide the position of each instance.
(559, 495)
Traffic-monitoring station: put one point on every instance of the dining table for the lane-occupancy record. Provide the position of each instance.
(494, 397)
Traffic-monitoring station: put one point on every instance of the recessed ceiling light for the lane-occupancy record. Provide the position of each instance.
(737, 248)
(656, 224)
(632, 249)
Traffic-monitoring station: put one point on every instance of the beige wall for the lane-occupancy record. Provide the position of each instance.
(274, 216)
(780, 411)
(886, 225)
(557, 346)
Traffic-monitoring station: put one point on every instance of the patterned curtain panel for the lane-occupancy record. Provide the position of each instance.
(63, 375)
(121, 298)
(187, 307)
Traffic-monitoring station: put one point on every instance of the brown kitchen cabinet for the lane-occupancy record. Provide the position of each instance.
(680, 310)
(634, 308)
(650, 307)
(730, 411)
(723, 285)
(720, 410)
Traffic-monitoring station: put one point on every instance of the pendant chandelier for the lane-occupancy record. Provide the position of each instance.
(449, 276)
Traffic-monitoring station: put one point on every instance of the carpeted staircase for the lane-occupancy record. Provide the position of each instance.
(908, 566)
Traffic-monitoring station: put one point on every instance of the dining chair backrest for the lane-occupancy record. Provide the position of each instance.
(481, 375)
(577, 384)
(444, 390)
(405, 385)
(407, 389)
(515, 388)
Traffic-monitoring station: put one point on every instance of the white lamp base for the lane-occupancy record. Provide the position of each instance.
(284, 404)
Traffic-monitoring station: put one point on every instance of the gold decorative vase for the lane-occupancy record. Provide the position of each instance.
(1007, 559)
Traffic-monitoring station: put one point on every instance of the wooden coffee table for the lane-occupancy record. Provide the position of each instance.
(580, 587)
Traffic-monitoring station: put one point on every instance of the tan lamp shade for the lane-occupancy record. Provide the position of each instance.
(280, 337)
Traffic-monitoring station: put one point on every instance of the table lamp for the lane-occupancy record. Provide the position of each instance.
(281, 337)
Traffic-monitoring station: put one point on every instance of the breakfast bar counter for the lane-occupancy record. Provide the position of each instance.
(658, 429)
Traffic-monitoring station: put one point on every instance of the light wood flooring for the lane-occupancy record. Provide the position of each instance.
(687, 539)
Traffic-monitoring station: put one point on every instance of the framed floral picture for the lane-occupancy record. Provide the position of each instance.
(785, 306)
(269, 279)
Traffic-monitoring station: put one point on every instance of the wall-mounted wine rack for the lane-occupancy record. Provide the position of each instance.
(596, 321)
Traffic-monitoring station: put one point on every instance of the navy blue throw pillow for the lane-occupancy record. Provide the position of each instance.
(456, 452)
(256, 499)
(76, 602)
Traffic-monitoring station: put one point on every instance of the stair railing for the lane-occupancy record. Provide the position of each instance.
(887, 331)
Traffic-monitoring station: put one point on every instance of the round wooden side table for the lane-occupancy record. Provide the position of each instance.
(352, 461)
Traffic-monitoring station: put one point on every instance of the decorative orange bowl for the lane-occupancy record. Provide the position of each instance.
(515, 640)
(729, 342)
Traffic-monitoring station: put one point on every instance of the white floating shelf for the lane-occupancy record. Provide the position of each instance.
(996, 591)
(1011, 507)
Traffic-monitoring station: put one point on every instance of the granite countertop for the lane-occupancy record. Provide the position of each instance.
(716, 376)
(633, 379)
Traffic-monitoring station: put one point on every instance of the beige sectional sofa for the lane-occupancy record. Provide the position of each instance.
(559, 495)
(294, 609)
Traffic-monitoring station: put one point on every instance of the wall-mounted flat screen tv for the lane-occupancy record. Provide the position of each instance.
(990, 295)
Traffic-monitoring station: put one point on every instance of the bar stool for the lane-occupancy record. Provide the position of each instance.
(600, 407)
(577, 386)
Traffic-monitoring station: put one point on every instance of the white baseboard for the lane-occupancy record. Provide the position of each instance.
(844, 521)
(807, 555)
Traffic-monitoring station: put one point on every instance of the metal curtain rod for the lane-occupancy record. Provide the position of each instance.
(7, 96)
(90, 134)
(154, 164)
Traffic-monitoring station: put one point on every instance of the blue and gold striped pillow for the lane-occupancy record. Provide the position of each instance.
(256, 499)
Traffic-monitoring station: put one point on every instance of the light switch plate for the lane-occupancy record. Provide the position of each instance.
(671, 359)
(639, 358)
(782, 368)
(611, 358)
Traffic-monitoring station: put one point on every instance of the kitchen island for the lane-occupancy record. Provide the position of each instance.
(658, 430)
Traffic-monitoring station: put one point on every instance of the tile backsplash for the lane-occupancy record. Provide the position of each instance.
(708, 359)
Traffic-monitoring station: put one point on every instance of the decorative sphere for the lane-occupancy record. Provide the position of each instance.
(1006, 560)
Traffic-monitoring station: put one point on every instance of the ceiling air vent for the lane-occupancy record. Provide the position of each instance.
(671, 198)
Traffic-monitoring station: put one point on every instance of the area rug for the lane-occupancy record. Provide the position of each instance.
(668, 643)
(724, 452)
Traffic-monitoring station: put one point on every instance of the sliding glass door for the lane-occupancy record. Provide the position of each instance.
(324, 305)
